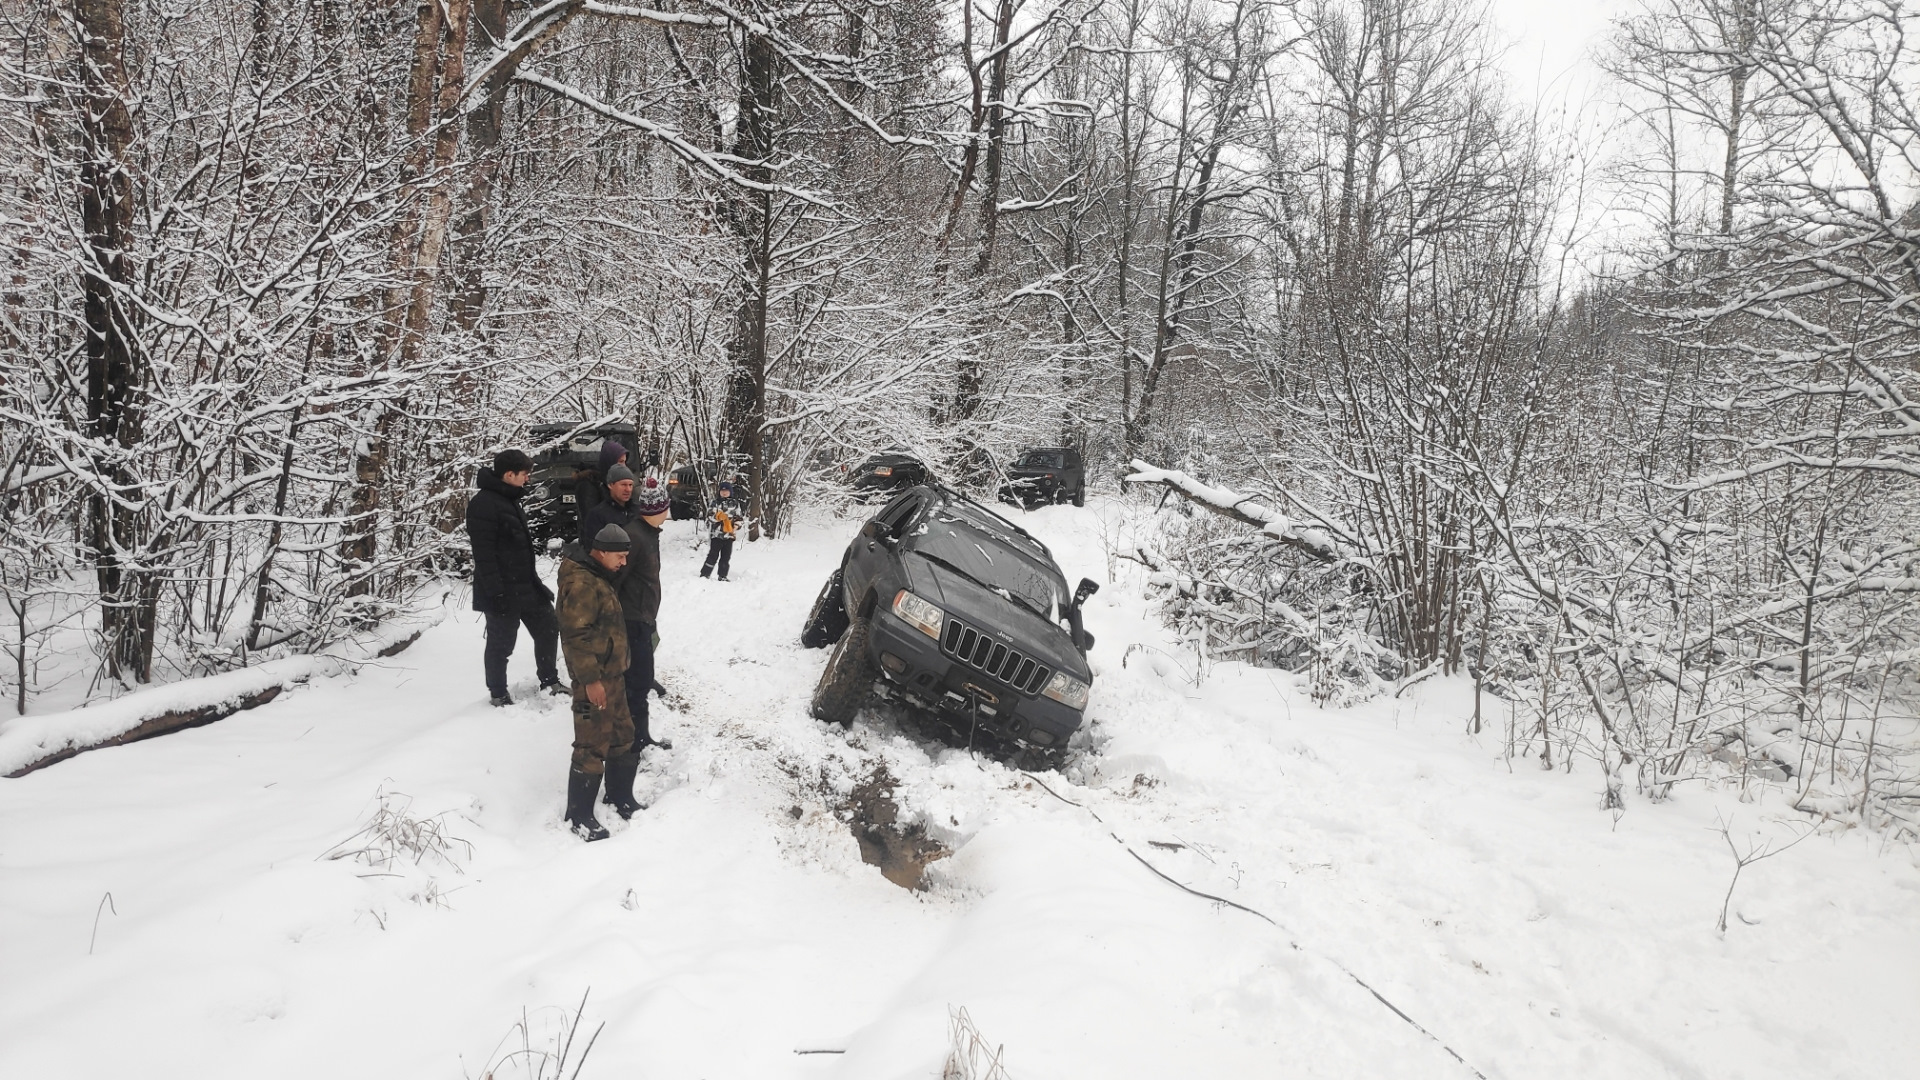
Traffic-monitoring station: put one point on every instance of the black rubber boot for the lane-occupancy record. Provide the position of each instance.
(581, 789)
(620, 773)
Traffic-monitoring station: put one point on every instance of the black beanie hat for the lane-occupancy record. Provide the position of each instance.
(612, 537)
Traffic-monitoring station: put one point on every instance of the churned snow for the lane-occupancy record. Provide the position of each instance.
(732, 925)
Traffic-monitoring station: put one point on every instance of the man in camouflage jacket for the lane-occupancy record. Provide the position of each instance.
(593, 636)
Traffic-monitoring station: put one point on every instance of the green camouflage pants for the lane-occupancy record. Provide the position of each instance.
(599, 734)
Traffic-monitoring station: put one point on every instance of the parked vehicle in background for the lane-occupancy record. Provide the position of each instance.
(561, 451)
(1044, 476)
(686, 492)
(944, 606)
(886, 473)
(691, 487)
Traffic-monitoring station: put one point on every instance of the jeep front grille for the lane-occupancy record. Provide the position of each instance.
(982, 653)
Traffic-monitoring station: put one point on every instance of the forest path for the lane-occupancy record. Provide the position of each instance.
(733, 923)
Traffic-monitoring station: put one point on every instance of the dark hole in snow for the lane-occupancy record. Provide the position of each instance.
(902, 852)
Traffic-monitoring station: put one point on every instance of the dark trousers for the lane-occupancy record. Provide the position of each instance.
(639, 677)
(504, 630)
(721, 548)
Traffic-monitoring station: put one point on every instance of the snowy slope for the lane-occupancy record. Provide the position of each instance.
(734, 924)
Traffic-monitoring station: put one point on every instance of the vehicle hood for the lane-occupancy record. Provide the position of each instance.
(985, 609)
(1027, 471)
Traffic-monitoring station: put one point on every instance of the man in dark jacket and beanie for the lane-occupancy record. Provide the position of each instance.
(590, 485)
(593, 634)
(506, 588)
(638, 505)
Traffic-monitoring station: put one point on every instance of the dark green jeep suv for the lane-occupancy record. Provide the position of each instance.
(943, 605)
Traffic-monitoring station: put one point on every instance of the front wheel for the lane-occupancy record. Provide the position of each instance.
(848, 678)
(828, 619)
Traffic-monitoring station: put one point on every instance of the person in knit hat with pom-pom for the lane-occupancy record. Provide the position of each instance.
(638, 505)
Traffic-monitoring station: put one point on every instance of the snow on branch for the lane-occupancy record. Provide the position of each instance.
(659, 18)
(716, 164)
(1242, 508)
(538, 27)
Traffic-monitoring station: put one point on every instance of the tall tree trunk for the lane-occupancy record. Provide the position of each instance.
(1177, 264)
(433, 91)
(996, 132)
(484, 126)
(114, 361)
(751, 217)
(1742, 44)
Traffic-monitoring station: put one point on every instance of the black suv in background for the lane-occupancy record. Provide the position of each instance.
(886, 472)
(1046, 475)
(690, 488)
(943, 605)
(686, 492)
(561, 451)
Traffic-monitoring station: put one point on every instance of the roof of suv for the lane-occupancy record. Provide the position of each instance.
(961, 532)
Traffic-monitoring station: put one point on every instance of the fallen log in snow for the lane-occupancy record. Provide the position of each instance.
(28, 743)
(1226, 502)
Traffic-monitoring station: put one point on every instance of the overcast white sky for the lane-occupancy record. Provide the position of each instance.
(1551, 41)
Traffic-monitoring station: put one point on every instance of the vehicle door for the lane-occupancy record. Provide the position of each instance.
(872, 551)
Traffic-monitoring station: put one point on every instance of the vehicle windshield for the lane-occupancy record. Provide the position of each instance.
(995, 557)
(1041, 459)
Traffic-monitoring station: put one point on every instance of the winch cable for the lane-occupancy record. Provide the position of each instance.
(1270, 921)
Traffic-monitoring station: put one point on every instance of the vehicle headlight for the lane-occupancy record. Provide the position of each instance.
(1067, 690)
(919, 613)
(542, 491)
(884, 470)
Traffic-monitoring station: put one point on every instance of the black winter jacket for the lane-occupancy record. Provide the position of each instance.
(639, 583)
(504, 579)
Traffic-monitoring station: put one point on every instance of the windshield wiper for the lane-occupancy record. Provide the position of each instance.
(1001, 589)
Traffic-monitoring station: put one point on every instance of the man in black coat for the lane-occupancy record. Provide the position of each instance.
(506, 587)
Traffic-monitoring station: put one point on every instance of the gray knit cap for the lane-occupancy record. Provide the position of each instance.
(612, 538)
(619, 473)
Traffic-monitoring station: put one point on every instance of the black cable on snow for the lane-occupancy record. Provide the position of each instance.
(1292, 944)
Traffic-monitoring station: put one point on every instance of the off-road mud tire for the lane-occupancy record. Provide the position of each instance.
(828, 619)
(847, 682)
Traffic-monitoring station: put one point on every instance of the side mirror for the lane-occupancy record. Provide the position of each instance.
(871, 530)
(1087, 588)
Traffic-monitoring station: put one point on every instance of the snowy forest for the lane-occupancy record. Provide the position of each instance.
(1607, 410)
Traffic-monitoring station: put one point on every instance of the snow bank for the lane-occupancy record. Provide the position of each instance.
(34, 742)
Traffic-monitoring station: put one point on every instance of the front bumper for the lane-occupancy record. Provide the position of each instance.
(875, 482)
(1031, 489)
(914, 670)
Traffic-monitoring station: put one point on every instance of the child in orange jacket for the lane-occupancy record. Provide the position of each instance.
(726, 518)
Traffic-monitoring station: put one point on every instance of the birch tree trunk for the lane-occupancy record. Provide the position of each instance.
(433, 92)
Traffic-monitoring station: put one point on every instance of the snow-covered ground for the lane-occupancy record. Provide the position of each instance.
(733, 925)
